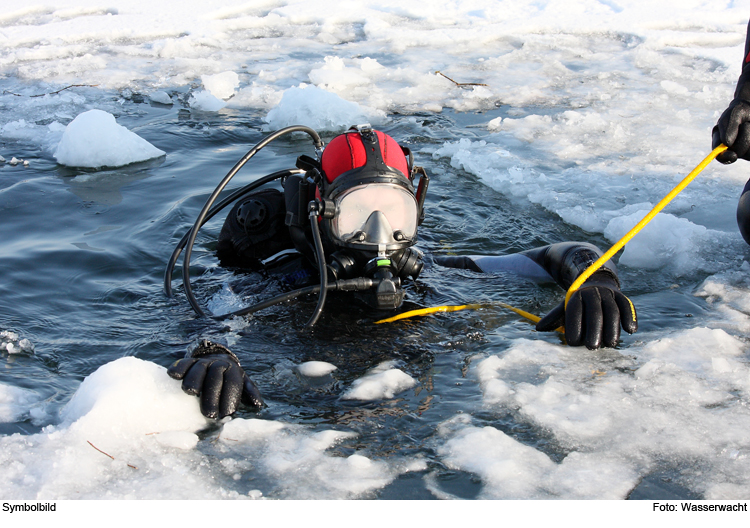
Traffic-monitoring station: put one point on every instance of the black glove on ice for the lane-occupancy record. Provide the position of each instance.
(594, 314)
(214, 373)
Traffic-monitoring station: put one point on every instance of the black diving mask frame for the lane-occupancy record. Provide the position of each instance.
(373, 207)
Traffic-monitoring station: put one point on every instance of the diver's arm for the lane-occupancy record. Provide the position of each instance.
(516, 263)
(565, 261)
(595, 311)
(212, 372)
(733, 127)
(561, 262)
(733, 130)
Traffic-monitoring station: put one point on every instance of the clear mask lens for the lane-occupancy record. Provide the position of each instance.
(375, 213)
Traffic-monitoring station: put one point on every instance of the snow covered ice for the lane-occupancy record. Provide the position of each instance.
(315, 368)
(319, 109)
(94, 139)
(588, 111)
(205, 101)
(221, 85)
(383, 381)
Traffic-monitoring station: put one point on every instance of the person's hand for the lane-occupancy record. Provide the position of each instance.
(594, 314)
(214, 373)
(733, 127)
(733, 130)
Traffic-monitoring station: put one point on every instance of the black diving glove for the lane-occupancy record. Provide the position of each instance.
(214, 373)
(594, 313)
(733, 127)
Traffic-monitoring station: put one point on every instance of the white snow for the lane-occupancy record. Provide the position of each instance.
(666, 242)
(221, 85)
(512, 470)
(131, 397)
(94, 139)
(382, 381)
(300, 459)
(320, 110)
(315, 369)
(205, 101)
(15, 402)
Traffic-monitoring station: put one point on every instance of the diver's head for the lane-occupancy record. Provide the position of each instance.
(371, 210)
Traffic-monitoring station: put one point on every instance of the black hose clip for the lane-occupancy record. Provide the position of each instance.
(322, 207)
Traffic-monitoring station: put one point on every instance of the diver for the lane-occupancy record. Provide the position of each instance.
(351, 218)
(733, 130)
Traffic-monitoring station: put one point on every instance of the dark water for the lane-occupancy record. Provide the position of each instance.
(83, 258)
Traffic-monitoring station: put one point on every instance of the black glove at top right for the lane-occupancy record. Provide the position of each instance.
(733, 127)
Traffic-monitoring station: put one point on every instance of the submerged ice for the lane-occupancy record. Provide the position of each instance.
(583, 110)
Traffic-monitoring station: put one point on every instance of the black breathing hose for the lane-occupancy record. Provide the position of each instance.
(321, 288)
(202, 217)
(213, 212)
(358, 284)
(322, 268)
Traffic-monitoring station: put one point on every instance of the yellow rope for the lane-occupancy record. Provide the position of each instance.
(640, 225)
(453, 308)
(428, 311)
